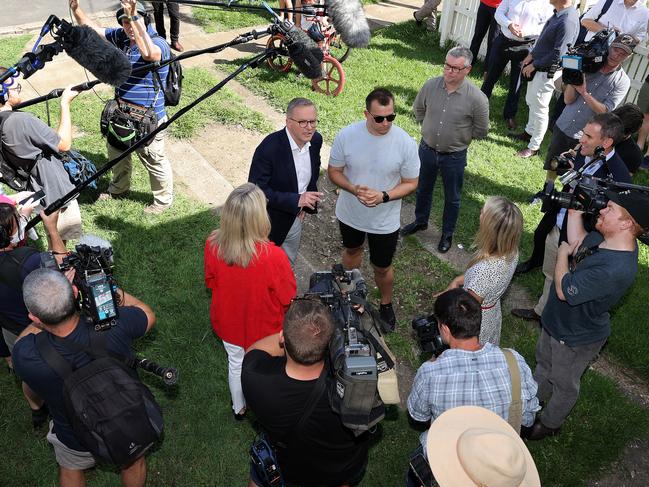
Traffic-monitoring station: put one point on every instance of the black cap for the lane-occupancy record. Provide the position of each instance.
(635, 202)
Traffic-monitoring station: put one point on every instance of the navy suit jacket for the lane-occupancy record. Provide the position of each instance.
(273, 170)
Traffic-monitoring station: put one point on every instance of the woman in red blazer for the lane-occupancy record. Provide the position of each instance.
(251, 281)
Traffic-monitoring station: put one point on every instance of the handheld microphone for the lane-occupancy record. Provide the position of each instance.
(349, 21)
(107, 63)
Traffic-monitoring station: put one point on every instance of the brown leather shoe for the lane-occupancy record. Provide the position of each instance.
(526, 153)
(526, 314)
(511, 124)
(538, 431)
(177, 46)
(524, 136)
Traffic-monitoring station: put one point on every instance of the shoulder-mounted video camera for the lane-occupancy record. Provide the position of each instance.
(93, 262)
(362, 366)
(588, 57)
(589, 194)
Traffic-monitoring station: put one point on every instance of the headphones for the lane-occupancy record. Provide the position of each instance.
(139, 10)
(4, 89)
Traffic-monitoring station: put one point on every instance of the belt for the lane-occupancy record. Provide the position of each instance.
(489, 306)
(426, 146)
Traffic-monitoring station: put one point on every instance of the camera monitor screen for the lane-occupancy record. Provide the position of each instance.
(571, 62)
(102, 296)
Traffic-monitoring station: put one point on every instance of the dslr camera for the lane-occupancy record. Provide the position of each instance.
(93, 262)
(587, 57)
(428, 336)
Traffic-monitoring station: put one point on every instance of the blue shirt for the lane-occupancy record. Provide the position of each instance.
(13, 313)
(560, 30)
(35, 372)
(464, 378)
(140, 88)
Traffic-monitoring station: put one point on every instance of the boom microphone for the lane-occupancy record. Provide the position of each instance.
(107, 63)
(305, 53)
(349, 21)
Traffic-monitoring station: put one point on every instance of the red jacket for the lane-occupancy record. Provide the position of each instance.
(248, 303)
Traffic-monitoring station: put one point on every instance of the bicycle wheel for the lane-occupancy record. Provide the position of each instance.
(281, 61)
(337, 48)
(333, 80)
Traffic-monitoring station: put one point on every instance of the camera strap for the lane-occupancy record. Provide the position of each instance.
(378, 346)
(314, 397)
(515, 416)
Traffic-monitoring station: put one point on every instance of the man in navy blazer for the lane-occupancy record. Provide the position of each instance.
(286, 166)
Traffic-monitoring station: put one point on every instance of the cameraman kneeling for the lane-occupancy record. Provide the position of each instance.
(280, 372)
(50, 299)
(469, 373)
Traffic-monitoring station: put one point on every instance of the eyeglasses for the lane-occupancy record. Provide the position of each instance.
(454, 69)
(380, 118)
(304, 123)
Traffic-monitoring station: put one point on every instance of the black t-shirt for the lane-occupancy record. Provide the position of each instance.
(630, 153)
(15, 266)
(33, 369)
(324, 452)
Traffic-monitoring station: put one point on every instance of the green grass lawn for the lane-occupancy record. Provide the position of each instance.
(159, 259)
(401, 58)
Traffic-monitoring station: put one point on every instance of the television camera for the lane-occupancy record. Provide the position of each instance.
(362, 366)
(589, 194)
(428, 336)
(588, 57)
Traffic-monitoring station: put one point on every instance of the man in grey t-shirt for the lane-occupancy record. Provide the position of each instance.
(375, 164)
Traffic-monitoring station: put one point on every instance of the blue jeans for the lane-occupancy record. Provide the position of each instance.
(451, 165)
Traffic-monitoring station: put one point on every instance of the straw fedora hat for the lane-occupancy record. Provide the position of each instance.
(470, 445)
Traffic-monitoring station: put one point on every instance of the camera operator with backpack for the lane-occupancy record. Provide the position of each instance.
(284, 381)
(63, 340)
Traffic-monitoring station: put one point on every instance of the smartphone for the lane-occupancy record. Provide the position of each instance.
(35, 198)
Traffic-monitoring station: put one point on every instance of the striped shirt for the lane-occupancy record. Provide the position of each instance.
(140, 88)
(464, 378)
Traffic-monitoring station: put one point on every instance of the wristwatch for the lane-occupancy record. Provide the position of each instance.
(133, 18)
(386, 197)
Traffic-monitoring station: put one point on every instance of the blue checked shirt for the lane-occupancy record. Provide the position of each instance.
(463, 378)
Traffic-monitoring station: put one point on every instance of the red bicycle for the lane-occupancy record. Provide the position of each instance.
(335, 52)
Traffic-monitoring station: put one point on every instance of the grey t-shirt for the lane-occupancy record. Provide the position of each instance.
(24, 138)
(596, 284)
(609, 89)
(377, 161)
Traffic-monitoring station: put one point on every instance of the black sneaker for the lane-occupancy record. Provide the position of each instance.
(39, 416)
(387, 315)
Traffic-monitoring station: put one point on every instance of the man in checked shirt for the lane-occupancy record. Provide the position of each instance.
(468, 373)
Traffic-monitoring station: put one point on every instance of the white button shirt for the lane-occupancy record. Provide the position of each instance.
(302, 161)
(632, 20)
(531, 15)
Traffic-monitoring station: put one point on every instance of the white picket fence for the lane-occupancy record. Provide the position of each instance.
(458, 21)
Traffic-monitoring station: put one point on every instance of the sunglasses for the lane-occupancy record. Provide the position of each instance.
(380, 118)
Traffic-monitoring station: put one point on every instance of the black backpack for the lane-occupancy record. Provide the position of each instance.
(112, 413)
(173, 85)
(17, 178)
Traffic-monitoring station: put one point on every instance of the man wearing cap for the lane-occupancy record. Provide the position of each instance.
(142, 45)
(593, 272)
(600, 92)
(469, 373)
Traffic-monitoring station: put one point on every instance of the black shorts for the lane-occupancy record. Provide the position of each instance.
(382, 245)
